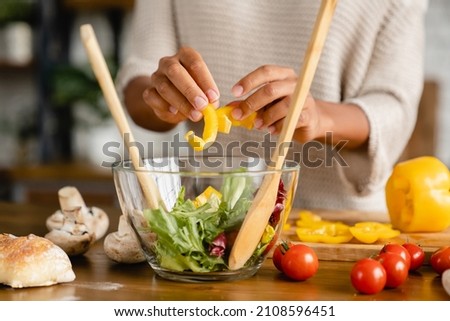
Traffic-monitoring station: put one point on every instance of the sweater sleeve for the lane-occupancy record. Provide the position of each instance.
(152, 36)
(389, 96)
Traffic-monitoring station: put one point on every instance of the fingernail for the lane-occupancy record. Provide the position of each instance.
(236, 113)
(212, 95)
(200, 103)
(258, 123)
(173, 110)
(271, 129)
(237, 90)
(195, 115)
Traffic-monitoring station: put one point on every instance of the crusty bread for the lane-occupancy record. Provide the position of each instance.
(29, 261)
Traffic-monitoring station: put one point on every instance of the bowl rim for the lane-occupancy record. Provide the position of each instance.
(127, 166)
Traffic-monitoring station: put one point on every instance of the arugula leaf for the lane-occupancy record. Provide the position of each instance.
(185, 233)
(180, 242)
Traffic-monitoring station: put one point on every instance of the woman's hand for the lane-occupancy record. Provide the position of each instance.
(271, 89)
(181, 87)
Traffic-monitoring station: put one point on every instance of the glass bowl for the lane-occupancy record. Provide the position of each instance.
(202, 204)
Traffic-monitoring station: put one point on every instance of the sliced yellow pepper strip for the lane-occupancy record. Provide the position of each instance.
(217, 120)
(225, 112)
(209, 131)
(269, 233)
(308, 219)
(224, 123)
(331, 233)
(370, 232)
(311, 228)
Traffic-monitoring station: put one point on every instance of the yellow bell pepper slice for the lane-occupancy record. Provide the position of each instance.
(206, 195)
(418, 195)
(247, 122)
(330, 233)
(269, 233)
(370, 232)
(308, 219)
(209, 131)
(224, 123)
(216, 120)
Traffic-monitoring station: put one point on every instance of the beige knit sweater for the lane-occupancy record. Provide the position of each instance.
(373, 57)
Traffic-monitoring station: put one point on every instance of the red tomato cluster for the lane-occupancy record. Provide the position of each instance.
(389, 269)
(298, 262)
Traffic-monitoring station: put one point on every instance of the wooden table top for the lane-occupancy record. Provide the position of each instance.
(100, 279)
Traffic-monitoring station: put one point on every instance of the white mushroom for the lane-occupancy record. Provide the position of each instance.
(122, 246)
(95, 219)
(446, 281)
(73, 236)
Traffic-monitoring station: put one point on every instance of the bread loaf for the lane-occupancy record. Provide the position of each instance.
(30, 261)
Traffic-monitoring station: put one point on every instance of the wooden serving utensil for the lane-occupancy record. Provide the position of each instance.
(101, 71)
(262, 206)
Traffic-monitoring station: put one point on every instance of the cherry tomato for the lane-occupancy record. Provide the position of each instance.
(300, 262)
(368, 276)
(417, 255)
(278, 254)
(396, 269)
(397, 248)
(440, 259)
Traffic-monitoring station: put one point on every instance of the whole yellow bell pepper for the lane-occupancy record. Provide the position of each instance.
(418, 195)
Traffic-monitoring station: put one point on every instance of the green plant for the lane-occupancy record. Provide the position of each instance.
(13, 10)
(71, 84)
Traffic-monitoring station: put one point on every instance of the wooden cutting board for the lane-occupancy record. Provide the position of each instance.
(355, 250)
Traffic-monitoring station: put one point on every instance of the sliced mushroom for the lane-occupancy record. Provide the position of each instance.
(73, 236)
(95, 219)
(122, 246)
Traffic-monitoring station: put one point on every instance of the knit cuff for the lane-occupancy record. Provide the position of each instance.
(132, 68)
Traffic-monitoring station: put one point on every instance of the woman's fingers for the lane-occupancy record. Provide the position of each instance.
(182, 85)
(189, 75)
(308, 124)
(173, 99)
(269, 116)
(269, 83)
(198, 70)
(261, 76)
(272, 98)
(161, 107)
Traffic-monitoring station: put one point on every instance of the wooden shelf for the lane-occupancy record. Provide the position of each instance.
(40, 184)
(61, 171)
(11, 66)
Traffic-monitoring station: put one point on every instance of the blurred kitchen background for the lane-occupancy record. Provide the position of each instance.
(53, 120)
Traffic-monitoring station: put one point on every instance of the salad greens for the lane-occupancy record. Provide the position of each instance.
(195, 238)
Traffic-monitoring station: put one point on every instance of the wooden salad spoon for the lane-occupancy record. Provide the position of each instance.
(101, 71)
(262, 206)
